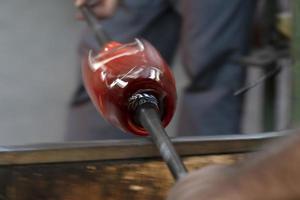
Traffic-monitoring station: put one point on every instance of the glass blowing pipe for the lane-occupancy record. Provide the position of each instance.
(133, 88)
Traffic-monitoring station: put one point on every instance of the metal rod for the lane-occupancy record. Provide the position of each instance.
(150, 120)
(92, 21)
(269, 74)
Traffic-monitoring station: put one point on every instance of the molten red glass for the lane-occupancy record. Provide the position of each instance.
(118, 71)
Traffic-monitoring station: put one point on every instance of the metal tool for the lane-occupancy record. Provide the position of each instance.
(148, 116)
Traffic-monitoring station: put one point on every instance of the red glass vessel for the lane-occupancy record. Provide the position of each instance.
(118, 72)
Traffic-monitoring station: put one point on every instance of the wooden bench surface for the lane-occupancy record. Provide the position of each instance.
(127, 169)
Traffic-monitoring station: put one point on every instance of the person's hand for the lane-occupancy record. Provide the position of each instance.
(102, 8)
(209, 183)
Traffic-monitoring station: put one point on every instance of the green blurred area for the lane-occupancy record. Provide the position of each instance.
(296, 56)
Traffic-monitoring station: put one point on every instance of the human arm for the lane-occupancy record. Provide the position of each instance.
(272, 174)
(101, 8)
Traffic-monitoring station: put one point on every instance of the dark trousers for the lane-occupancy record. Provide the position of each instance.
(213, 34)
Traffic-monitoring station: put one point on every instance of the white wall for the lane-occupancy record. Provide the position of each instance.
(38, 69)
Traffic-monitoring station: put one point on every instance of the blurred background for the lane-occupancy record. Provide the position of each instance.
(38, 43)
(39, 73)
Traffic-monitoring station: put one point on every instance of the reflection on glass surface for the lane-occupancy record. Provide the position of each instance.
(119, 72)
